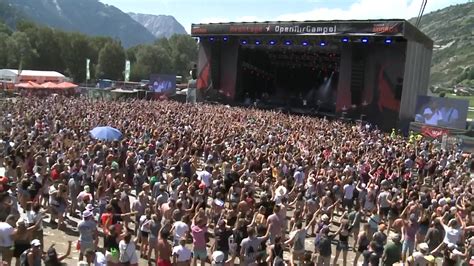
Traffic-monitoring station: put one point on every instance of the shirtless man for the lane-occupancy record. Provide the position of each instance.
(164, 249)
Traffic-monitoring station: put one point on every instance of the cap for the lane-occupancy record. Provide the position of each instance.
(325, 218)
(218, 257)
(396, 238)
(89, 207)
(35, 243)
(86, 214)
(423, 247)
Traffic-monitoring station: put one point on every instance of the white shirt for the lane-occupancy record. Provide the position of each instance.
(205, 177)
(6, 232)
(182, 253)
(180, 230)
(451, 235)
(100, 259)
(144, 224)
(348, 191)
(130, 251)
(299, 178)
(434, 119)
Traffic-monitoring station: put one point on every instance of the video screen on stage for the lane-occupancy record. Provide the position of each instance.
(443, 112)
(163, 84)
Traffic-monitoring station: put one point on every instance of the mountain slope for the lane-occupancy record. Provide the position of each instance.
(452, 30)
(86, 16)
(159, 25)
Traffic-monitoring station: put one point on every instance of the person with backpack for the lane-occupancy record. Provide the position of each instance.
(250, 247)
(297, 240)
(52, 258)
(32, 256)
(276, 253)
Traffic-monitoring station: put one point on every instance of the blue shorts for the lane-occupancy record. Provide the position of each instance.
(408, 245)
(200, 254)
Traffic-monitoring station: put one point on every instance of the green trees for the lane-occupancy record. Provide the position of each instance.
(168, 56)
(42, 48)
(111, 61)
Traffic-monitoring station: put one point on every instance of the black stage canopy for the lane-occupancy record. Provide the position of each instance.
(392, 27)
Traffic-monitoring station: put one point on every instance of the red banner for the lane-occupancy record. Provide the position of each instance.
(433, 132)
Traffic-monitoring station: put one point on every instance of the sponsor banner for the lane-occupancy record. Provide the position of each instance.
(434, 132)
(88, 72)
(127, 70)
(299, 28)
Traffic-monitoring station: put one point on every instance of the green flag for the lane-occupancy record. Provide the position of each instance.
(127, 70)
(88, 73)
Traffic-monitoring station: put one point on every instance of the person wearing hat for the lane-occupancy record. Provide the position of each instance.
(422, 256)
(32, 256)
(87, 233)
(84, 198)
(409, 229)
(392, 252)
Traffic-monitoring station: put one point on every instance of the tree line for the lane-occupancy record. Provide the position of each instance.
(36, 47)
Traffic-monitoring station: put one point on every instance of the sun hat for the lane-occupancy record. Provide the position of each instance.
(35, 243)
(86, 214)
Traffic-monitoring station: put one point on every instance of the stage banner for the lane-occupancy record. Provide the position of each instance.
(300, 28)
(434, 132)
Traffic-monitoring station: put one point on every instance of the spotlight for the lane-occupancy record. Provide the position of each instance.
(364, 40)
(388, 41)
(272, 42)
(225, 39)
(304, 43)
(287, 42)
(211, 39)
(243, 42)
(322, 43)
(345, 40)
(257, 42)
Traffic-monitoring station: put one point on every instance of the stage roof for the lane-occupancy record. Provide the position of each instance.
(391, 27)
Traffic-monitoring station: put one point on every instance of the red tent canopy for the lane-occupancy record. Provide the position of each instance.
(66, 85)
(28, 85)
(49, 85)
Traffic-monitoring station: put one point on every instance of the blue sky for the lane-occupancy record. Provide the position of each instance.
(204, 11)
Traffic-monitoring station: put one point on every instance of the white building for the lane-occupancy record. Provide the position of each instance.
(11, 76)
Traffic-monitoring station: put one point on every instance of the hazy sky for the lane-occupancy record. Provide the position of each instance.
(203, 11)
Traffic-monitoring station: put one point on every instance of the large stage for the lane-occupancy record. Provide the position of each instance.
(371, 68)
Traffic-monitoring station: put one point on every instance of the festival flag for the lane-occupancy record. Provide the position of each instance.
(127, 70)
(88, 73)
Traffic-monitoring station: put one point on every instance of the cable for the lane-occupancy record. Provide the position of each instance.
(420, 14)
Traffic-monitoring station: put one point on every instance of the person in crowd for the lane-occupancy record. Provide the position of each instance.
(128, 253)
(87, 233)
(233, 169)
(181, 254)
(392, 252)
(52, 258)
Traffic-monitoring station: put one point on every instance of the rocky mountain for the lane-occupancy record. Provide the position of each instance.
(159, 25)
(452, 30)
(86, 16)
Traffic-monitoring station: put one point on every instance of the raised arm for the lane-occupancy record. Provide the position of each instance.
(68, 252)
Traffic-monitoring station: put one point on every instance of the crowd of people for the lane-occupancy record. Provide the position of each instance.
(194, 184)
